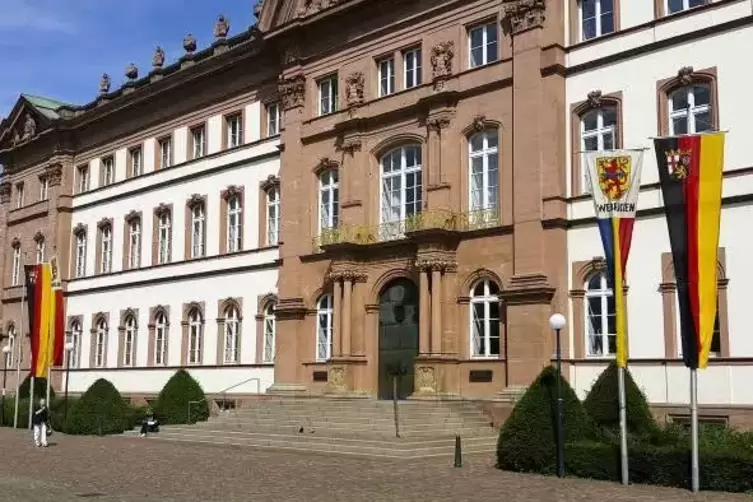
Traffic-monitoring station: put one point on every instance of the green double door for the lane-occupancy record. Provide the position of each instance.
(398, 337)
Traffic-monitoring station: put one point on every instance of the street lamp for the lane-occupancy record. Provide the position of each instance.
(6, 356)
(68, 350)
(557, 322)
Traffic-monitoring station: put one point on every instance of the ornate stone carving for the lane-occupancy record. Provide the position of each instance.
(16, 138)
(162, 209)
(525, 14)
(104, 223)
(352, 274)
(311, 7)
(258, 7)
(221, 27)
(594, 98)
(349, 145)
(354, 88)
(441, 62)
(337, 378)
(104, 84)
(685, 75)
(189, 44)
(291, 54)
(39, 236)
(292, 91)
(5, 190)
(271, 182)
(324, 164)
(158, 60)
(426, 379)
(441, 264)
(131, 72)
(195, 200)
(131, 216)
(30, 128)
(479, 123)
(54, 174)
(439, 121)
(231, 191)
(15, 243)
(79, 229)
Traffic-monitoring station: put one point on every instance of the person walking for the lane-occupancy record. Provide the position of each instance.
(40, 421)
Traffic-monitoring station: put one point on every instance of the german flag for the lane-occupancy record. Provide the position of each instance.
(46, 319)
(690, 174)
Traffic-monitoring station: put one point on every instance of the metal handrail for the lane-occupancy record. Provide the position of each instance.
(223, 393)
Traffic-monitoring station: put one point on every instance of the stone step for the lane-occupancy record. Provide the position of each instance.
(408, 411)
(345, 430)
(325, 404)
(434, 421)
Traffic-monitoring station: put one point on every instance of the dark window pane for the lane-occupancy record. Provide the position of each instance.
(674, 6)
(607, 23)
(589, 28)
(701, 94)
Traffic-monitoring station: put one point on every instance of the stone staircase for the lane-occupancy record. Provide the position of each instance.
(346, 426)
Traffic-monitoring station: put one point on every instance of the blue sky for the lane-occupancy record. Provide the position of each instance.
(60, 48)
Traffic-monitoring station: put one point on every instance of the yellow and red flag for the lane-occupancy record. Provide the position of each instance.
(46, 319)
(690, 174)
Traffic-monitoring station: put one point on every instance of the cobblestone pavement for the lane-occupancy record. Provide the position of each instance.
(135, 469)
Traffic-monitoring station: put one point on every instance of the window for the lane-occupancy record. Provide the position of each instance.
(234, 224)
(198, 142)
(328, 200)
(484, 173)
(160, 339)
(386, 76)
(234, 130)
(80, 254)
(137, 162)
(44, 188)
(16, 271)
(596, 17)
(129, 341)
(134, 243)
(482, 42)
(401, 190)
(274, 118)
(597, 132)
(328, 95)
(11, 344)
(715, 350)
(19, 195)
(105, 256)
(83, 179)
(269, 334)
(690, 110)
(601, 327)
(198, 230)
(100, 343)
(74, 354)
(40, 251)
(273, 216)
(324, 317)
(485, 319)
(412, 68)
(164, 238)
(680, 5)
(165, 153)
(195, 334)
(232, 335)
(108, 171)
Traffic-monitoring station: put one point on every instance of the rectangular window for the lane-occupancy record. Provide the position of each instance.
(108, 171)
(44, 188)
(105, 259)
(137, 162)
(597, 18)
(386, 77)
(328, 95)
(273, 216)
(160, 341)
(83, 178)
(197, 231)
(165, 153)
(198, 142)
(482, 45)
(16, 271)
(234, 224)
(273, 119)
(164, 239)
(412, 68)
(40, 251)
(680, 5)
(81, 254)
(234, 125)
(19, 195)
(134, 244)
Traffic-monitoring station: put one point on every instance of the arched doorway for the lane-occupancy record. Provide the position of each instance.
(398, 337)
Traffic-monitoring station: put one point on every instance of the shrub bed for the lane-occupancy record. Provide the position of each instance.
(40, 389)
(173, 402)
(100, 411)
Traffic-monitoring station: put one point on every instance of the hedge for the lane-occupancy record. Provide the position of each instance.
(40, 388)
(173, 401)
(101, 410)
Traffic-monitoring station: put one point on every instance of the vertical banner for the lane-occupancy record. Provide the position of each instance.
(57, 316)
(616, 181)
(690, 174)
(41, 311)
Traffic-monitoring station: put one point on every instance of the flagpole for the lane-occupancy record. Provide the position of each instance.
(31, 401)
(694, 428)
(623, 426)
(18, 342)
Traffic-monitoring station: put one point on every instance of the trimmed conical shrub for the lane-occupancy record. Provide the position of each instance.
(40, 388)
(172, 405)
(602, 404)
(101, 410)
(527, 441)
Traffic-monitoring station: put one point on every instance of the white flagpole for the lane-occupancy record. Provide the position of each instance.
(623, 426)
(694, 429)
(19, 340)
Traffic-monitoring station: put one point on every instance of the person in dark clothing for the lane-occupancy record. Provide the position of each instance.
(40, 421)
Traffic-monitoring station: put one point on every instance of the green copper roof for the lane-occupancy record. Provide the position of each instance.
(46, 106)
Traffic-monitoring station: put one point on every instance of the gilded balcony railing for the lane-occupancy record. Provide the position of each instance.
(395, 230)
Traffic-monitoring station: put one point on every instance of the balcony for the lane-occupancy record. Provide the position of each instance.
(396, 230)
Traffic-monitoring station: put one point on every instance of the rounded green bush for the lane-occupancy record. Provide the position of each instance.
(602, 404)
(10, 410)
(40, 388)
(101, 410)
(527, 441)
(172, 406)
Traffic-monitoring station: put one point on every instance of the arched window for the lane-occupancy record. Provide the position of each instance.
(234, 224)
(164, 238)
(329, 200)
(105, 257)
(129, 341)
(16, 270)
(273, 215)
(324, 318)
(81, 254)
(601, 325)
(597, 132)
(40, 250)
(690, 110)
(485, 319)
(160, 339)
(232, 334)
(484, 176)
(134, 243)
(195, 334)
(401, 190)
(75, 353)
(100, 344)
(198, 230)
(270, 328)
(10, 356)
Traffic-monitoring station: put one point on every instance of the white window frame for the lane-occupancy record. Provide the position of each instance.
(100, 344)
(329, 210)
(386, 71)
(198, 230)
(324, 334)
(232, 335)
(689, 113)
(599, 133)
(598, 14)
(274, 119)
(489, 173)
(413, 68)
(80, 254)
(15, 279)
(198, 141)
(234, 224)
(10, 359)
(483, 331)
(195, 335)
(685, 6)
(603, 293)
(44, 188)
(20, 195)
(234, 125)
(137, 161)
(165, 152)
(164, 238)
(393, 226)
(134, 243)
(74, 355)
(273, 216)
(108, 171)
(129, 341)
(161, 331)
(270, 330)
(83, 179)
(40, 251)
(105, 257)
(487, 56)
(328, 94)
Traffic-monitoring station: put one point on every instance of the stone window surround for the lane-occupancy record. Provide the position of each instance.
(241, 114)
(323, 166)
(480, 124)
(124, 315)
(225, 196)
(5, 339)
(93, 339)
(464, 299)
(14, 245)
(189, 140)
(316, 83)
(159, 211)
(262, 303)
(81, 171)
(595, 100)
(110, 156)
(187, 309)
(158, 149)
(129, 160)
(465, 50)
(152, 340)
(78, 230)
(398, 56)
(222, 307)
(44, 194)
(660, 12)
(39, 240)
(102, 225)
(194, 201)
(686, 76)
(129, 218)
(576, 25)
(265, 117)
(265, 186)
(668, 290)
(20, 195)
(74, 319)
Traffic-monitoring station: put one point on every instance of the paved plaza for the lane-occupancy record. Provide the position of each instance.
(136, 469)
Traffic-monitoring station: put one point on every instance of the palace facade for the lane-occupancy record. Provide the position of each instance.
(352, 191)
